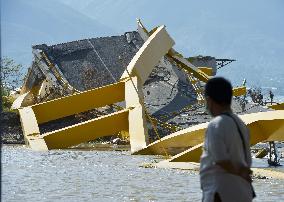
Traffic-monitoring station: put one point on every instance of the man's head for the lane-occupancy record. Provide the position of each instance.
(218, 93)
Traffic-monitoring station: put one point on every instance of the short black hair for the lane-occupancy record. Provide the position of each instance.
(220, 90)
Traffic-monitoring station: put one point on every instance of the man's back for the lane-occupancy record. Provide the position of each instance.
(223, 143)
(226, 160)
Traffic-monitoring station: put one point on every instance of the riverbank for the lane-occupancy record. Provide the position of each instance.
(259, 172)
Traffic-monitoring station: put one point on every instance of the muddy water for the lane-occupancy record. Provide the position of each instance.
(78, 175)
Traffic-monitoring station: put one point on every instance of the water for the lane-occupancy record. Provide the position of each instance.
(78, 175)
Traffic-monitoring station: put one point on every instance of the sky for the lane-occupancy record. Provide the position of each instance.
(252, 32)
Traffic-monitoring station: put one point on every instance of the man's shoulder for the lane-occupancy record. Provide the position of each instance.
(221, 120)
(225, 122)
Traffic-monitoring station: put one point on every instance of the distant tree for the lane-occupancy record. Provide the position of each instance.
(11, 78)
(11, 74)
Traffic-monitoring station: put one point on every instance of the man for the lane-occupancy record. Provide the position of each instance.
(271, 95)
(226, 159)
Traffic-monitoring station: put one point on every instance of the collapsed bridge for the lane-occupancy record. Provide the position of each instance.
(156, 85)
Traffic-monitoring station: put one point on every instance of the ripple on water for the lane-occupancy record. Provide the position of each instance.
(77, 175)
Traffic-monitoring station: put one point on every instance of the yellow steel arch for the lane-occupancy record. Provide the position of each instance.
(187, 144)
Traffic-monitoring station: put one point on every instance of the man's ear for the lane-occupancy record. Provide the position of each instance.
(208, 103)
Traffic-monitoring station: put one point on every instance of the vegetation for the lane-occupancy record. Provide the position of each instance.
(7, 102)
(11, 79)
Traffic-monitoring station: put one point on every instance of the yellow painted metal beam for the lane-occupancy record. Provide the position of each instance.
(88, 130)
(185, 64)
(177, 142)
(239, 91)
(31, 129)
(27, 98)
(264, 126)
(260, 131)
(273, 131)
(206, 70)
(137, 122)
(201, 73)
(78, 133)
(79, 102)
(21, 100)
(149, 55)
(190, 155)
(278, 106)
(137, 129)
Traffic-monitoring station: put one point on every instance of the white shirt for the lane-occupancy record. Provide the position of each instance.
(223, 142)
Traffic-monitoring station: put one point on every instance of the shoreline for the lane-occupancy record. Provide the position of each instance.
(258, 173)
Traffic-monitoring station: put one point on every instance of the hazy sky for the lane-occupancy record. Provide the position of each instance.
(250, 31)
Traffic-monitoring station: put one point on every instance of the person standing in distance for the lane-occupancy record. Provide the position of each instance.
(226, 159)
